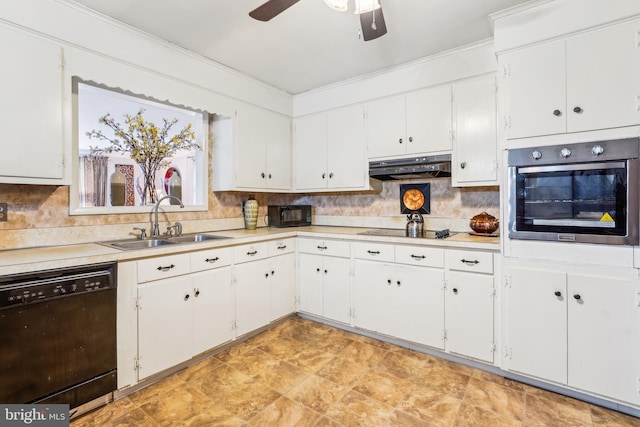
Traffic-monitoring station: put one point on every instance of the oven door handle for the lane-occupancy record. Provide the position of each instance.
(575, 167)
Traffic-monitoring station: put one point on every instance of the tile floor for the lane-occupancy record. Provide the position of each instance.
(302, 373)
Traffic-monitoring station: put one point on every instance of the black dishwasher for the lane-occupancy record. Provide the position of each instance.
(58, 335)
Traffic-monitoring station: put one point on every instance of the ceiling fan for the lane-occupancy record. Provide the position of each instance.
(370, 11)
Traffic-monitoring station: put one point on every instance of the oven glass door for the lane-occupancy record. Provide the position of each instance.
(578, 199)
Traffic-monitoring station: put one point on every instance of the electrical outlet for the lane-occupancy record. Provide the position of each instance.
(4, 210)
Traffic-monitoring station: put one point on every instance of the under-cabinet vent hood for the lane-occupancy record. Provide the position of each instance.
(412, 167)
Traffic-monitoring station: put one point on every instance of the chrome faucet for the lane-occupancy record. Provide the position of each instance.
(155, 229)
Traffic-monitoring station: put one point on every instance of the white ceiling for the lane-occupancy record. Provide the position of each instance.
(308, 45)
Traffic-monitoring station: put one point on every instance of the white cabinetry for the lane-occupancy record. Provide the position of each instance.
(474, 156)
(469, 304)
(31, 105)
(417, 123)
(181, 314)
(586, 82)
(259, 148)
(264, 278)
(586, 332)
(330, 150)
(401, 301)
(324, 278)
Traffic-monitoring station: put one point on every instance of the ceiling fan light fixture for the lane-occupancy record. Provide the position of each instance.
(363, 6)
(337, 5)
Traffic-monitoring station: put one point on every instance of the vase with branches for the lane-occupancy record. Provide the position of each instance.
(148, 144)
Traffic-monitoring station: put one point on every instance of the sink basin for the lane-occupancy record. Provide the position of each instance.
(194, 238)
(130, 244)
(140, 244)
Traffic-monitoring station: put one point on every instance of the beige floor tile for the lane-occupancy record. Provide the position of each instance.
(105, 414)
(285, 412)
(556, 413)
(327, 422)
(233, 352)
(342, 371)
(383, 387)
(472, 416)
(356, 409)
(603, 417)
(487, 376)
(363, 353)
(283, 376)
(157, 390)
(495, 398)
(402, 364)
(441, 381)
(402, 419)
(317, 393)
(310, 359)
(435, 408)
(253, 362)
(178, 406)
(249, 398)
(220, 381)
(200, 370)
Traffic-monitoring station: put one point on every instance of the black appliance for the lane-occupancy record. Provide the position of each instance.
(289, 215)
(58, 336)
(392, 232)
(586, 192)
(437, 166)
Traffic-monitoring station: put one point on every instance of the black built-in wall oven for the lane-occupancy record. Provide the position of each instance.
(586, 192)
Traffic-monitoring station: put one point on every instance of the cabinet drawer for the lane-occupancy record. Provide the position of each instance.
(212, 258)
(252, 252)
(420, 255)
(280, 247)
(473, 261)
(163, 267)
(337, 248)
(373, 251)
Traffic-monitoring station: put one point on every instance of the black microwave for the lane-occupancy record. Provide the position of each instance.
(289, 215)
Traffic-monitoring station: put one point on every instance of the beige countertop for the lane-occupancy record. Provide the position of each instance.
(49, 257)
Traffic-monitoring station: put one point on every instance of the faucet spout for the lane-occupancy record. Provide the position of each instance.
(155, 229)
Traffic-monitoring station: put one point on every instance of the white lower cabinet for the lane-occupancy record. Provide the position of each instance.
(469, 304)
(252, 296)
(584, 330)
(402, 301)
(325, 280)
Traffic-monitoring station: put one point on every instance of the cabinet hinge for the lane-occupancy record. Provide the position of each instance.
(507, 281)
(638, 38)
(638, 299)
(506, 71)
(444, 335)
(493, 347)
(136, 364)
(444, 284)
(507, 353)
(493, 292)
(138, 305)
(638, 383)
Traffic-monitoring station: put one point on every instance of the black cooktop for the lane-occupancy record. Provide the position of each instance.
(393, 232)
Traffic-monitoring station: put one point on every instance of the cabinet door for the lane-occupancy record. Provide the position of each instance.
(469, 315)
(386, 127)
(602, 78)
(311, 152)
(372, 309)
(536, 323)
(250, 149)
(475, 153)
(429, 121)
(535, 89)
(31, 105)
(417, 305)
(164, 324)
(604, 336)
(310, 274)
(282, 285)
(278, 152)
(213, 311)
(252, 296)
(336, 289)
(347, 165)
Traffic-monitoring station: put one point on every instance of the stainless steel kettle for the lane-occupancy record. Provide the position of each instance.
(415, 225)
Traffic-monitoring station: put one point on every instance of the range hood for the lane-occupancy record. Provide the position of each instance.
(411, 167)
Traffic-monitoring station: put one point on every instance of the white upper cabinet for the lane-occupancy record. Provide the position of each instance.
(582, 83)
(417, 123)
(330, 151)
(474, 156)
(31, 106)
(258, 148)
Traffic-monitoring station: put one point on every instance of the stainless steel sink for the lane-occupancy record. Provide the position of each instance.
(129, 244)
(194, 238)
(140, 244)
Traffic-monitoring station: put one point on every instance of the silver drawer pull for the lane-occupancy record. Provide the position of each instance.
(211, 260)
(418, 256)
(373, 252)
(283, 247)
(166, 268)
(252, 253)
(469, 262)
(322, 248)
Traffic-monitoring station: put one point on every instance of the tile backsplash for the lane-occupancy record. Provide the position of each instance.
(39, 215)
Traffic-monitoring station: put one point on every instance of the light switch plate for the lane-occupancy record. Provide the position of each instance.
(3, 211)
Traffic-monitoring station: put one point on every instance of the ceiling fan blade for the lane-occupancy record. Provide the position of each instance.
(271, 9)
(369, 30)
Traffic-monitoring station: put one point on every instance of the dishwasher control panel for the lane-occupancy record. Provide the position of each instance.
(34, 288)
